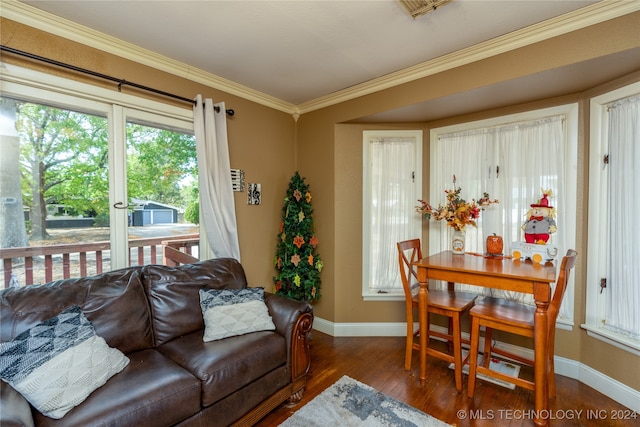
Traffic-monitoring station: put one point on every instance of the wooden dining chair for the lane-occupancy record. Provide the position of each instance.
(447, 303)
(515, 318)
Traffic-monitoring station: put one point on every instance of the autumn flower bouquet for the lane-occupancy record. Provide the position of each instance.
(457, 212)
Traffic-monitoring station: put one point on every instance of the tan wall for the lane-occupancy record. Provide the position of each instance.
(325, 138)
(261, 139)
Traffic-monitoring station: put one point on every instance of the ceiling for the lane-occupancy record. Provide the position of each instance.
(298, 52)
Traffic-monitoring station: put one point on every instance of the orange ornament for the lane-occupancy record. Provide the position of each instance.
(494, 245)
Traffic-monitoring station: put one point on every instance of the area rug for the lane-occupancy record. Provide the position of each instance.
(349, 403)
(501, 366)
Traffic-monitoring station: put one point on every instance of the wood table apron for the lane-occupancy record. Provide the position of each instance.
(507, 274)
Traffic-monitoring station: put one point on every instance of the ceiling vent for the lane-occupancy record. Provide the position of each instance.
(420, 7)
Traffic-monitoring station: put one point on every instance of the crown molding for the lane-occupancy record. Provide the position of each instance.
(581, 18)
(33, 17)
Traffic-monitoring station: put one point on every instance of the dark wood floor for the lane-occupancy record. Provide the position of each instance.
(379, 362)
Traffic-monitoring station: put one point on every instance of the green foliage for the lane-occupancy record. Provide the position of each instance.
(64, 160)
(297, 264)
(159, 162)
(192, 213)
(102, 220)
(64, 157)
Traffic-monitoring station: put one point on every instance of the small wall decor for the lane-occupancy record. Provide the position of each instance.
(254, 194)
(237, 179)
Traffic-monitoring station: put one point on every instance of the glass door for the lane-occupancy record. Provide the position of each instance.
(88, 187)
(66, 148)
(54, 192)
(162, 185)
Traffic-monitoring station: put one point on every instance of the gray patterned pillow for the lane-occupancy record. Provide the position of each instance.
(58, 363)
(231, 312)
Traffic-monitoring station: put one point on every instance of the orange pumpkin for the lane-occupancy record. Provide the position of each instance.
(494, 245)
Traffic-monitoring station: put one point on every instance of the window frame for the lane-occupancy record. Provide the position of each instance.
(598, 221)
(416, 221)
(570, 111)
(34, 86)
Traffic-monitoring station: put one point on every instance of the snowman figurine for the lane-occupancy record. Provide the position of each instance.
(540, 222)
(538, 228)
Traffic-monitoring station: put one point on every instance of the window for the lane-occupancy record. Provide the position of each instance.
(391, 187)
(71, 143)
(512, 158)
(613, 271)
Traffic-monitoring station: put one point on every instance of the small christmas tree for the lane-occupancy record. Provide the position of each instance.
(298, 266)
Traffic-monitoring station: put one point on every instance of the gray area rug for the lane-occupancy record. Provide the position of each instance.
(351, 403)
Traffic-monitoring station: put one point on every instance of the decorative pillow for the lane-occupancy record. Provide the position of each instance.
(231, 312)
(58, 363)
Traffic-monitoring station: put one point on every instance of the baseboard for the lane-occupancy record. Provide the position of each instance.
(614, 389)
(610, 387)
(382, 329)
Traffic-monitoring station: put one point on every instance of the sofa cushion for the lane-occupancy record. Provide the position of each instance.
(118, 308)
(58, 363)
(227, 365)
(227, 411)
(174, 297)
(231, 312)
(114, 302)
(151, 391)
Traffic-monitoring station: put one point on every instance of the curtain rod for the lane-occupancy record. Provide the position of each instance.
(121, 82)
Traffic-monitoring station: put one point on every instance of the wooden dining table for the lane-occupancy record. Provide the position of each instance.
(499, 273)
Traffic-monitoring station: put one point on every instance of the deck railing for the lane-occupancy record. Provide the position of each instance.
(176, 252)
(42, 264)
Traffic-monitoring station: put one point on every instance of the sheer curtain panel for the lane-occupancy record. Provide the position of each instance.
(513, 162)
(392, 208)
(219, 229)
(623, 282)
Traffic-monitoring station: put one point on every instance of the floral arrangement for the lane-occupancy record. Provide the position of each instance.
(297, 264)
(457, 211)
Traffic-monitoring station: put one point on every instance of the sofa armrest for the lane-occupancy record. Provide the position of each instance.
(293, 320)
(15, 408)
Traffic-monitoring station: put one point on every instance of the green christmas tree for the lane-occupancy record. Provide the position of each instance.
(298, 266)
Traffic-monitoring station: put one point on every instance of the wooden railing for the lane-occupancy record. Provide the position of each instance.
(42, 264)
(176, 252)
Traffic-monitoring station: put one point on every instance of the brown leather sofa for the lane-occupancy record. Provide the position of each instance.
(152, 314)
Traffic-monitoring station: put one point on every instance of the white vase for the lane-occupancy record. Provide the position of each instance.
(458, 242)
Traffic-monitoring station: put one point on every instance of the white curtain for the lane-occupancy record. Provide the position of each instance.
(219, 229)
(513, 163)
(623, 282)
(392, 208)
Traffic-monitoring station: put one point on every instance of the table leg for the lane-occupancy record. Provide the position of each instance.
(423, 301)
(540, 334)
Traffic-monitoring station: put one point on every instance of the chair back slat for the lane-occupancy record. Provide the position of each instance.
(406, 268)
(568, 262)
